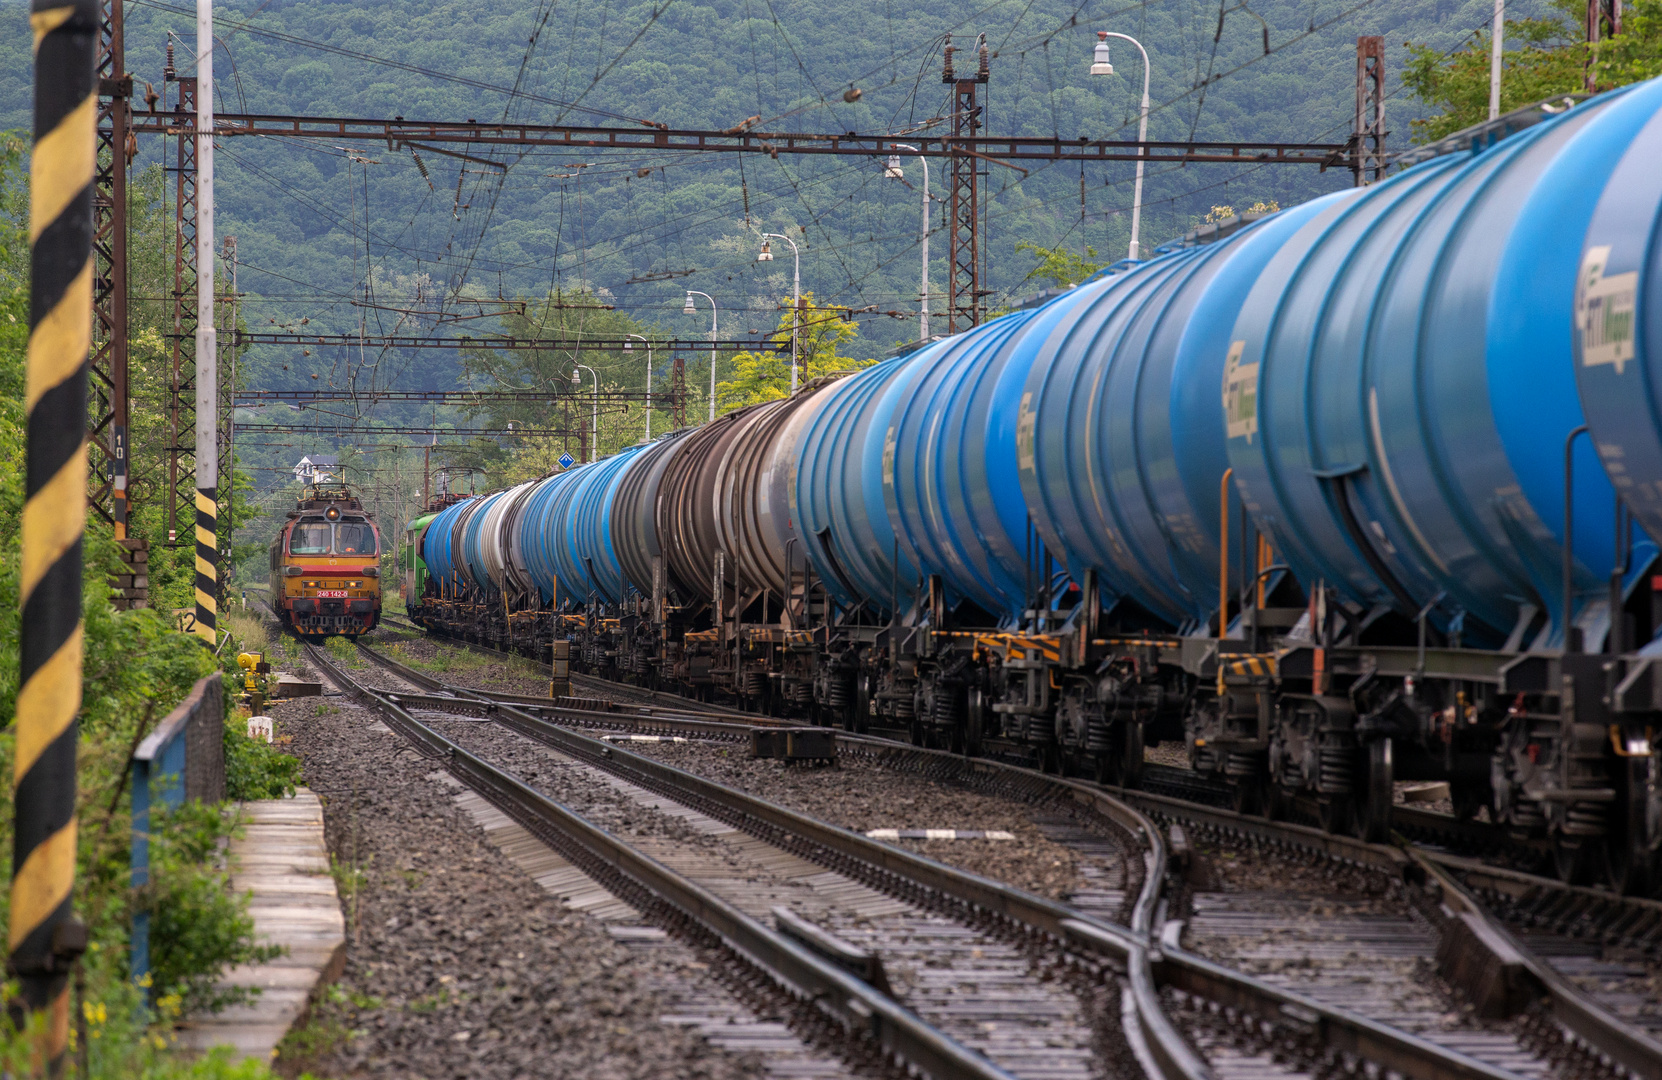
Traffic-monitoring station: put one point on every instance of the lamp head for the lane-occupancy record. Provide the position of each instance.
(689, 309)
(628, 346)
(892, 170)
(1100, 64)
(766, 254)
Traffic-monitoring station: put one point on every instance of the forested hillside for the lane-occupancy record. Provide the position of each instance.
(338, 239)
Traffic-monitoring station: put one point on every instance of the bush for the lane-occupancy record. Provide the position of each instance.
(255, 769)
(136, 668)
(343, 652)
(198, 926)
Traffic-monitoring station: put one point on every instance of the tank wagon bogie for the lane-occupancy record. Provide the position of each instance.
(1308, 500)
(325, 564)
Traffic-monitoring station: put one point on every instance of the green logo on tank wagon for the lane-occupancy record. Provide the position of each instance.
(1026, 420)
(1604, 311)
(1240, 394)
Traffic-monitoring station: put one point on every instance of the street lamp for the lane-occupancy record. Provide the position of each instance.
(894, 173)
(595, 451)
(691, 310)
(628, 346)
(1101, 66)
(766, 255)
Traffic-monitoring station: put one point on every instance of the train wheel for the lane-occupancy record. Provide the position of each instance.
(1572, 858)
(1630, 855)
(1274, 806)
(1373, 809)
(861, 721)
(1131, 756)
(975, 723)
(1334, 813)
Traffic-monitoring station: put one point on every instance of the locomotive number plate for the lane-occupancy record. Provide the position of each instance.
(331, 592)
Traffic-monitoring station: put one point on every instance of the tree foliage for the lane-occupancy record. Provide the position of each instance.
(766, 375)
(1544, 56)
(1636, 53)
(1058, 266)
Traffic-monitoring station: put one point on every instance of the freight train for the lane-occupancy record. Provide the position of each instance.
(325, 563)
(1329, 498)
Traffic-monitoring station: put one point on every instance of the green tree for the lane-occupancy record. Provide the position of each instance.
(1545, 56)
(1635, 54)
(569, 402)
(1058, 266)
(766, 376)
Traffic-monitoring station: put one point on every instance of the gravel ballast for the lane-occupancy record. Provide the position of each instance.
(458, 965)
(857, 795)
(863, 796)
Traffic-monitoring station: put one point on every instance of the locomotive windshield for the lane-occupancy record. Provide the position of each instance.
(349, 538)
(310, 539)
(353, 539)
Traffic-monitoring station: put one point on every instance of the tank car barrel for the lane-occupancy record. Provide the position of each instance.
(1380, 380)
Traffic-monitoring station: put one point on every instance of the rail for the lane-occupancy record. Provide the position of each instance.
(857, 1007)
(1149, 963)
(1637, 1052)
(654, 695)
(1161, 1049)
(713, 722)
(1497, 948)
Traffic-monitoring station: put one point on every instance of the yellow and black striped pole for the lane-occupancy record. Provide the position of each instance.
(207, 344)
(45, 935)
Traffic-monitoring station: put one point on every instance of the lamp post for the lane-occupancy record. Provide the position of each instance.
(648, 341)
(766, 255)
(595, 450)
(1497, 46)
(893, 173)
(1101, 66)
(691, 310)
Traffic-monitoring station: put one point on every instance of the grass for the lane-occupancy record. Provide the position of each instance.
(343, 652)
(247, 628)
(327, 1028)
(455, 660)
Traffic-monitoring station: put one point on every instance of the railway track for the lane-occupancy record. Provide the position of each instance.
(1461, 836)
(593, 684)
(1506, 939)
(987, 991)
(826, 1003)
(1200, 989)
(1465, 837)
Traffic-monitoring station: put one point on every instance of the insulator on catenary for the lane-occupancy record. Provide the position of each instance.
(421, 167)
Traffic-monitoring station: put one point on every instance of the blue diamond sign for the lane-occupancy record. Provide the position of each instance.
(567, 461)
